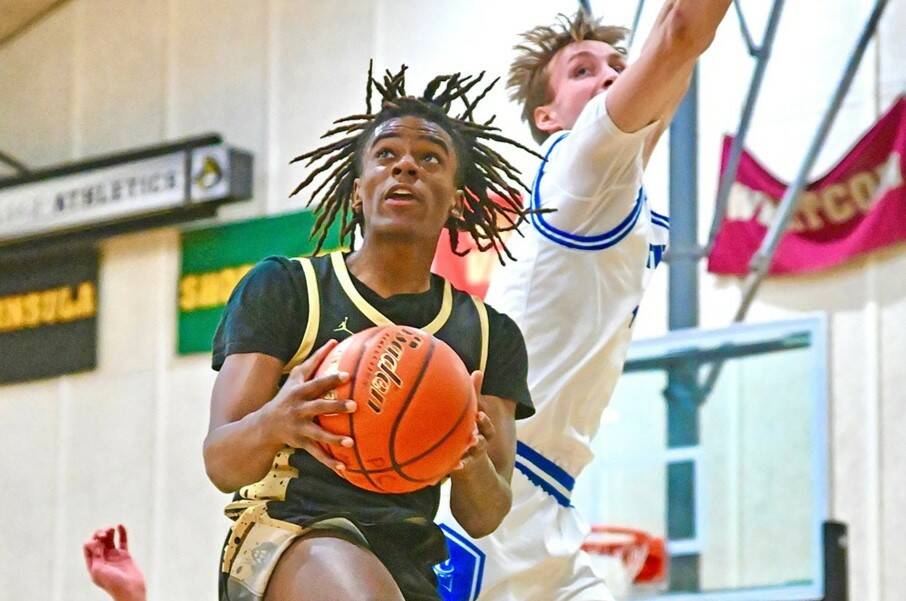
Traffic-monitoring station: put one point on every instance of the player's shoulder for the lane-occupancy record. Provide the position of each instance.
(274, 267)
(298, 266)
(502, 325)
(276, 272)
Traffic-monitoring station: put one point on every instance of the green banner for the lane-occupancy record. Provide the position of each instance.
(215, 259)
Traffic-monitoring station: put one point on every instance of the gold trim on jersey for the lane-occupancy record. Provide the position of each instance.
(483, 322)
(273, 486)
(314, 315)
(255, 536)
(378, 318)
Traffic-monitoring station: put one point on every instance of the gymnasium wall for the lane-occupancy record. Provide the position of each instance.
(123, 443)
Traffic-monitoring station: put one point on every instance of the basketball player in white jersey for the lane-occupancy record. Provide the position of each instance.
(577, 282)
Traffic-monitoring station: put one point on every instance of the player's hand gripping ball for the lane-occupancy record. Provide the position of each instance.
(416, 408)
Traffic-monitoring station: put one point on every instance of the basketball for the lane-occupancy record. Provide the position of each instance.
(416, 408)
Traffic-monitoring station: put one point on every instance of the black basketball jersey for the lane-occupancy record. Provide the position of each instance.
(338, 307)
(288, 309)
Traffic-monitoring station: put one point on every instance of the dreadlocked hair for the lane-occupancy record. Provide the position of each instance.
(528, 78)
(482, 171)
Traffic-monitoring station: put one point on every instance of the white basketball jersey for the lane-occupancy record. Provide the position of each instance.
(576, 285)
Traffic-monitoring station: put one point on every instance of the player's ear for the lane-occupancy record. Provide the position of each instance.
(356, 196)
(546, 120)
(457, 208)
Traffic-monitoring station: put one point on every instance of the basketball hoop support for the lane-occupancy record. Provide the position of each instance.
(836, 569)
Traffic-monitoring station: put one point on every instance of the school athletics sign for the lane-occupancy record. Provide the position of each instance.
(151, 186)
(857, 207)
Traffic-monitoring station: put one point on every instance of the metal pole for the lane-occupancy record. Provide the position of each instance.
(681, 394)
(763, 55)
(762, 259)
(683, 274)
(744, 27)
(20, 168)
(635, 22)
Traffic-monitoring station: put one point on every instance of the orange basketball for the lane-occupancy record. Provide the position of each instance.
(415, 409)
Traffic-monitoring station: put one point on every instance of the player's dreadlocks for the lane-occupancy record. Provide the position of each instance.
(482, 170)
(528, 80)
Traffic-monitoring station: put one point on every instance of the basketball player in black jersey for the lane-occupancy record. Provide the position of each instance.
(402, 174)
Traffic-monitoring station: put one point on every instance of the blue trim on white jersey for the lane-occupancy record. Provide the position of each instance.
(544, 473)
(661, 220)
(576, 241)
(460, 577)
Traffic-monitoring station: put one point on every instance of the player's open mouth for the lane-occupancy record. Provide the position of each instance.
(400, 194)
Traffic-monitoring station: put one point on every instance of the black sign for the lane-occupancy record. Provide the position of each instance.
(48, 314)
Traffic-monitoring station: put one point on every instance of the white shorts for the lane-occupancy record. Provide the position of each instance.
(534, 555)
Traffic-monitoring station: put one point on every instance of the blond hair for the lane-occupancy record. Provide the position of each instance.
(528, 81)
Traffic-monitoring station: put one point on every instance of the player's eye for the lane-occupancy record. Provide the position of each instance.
(431, 158)
(582, 72)
(383, 153)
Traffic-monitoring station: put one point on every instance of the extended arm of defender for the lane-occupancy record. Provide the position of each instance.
(663, 122)
(683, 31)
(480, 496)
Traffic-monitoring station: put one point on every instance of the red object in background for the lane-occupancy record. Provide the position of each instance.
(472, 272)
(857, 207)
(618, 541)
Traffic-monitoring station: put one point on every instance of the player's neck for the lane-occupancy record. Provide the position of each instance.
(393, 268)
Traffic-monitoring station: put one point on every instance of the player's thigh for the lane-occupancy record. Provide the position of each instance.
(323, 566)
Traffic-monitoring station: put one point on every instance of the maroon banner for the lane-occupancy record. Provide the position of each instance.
(857, 207)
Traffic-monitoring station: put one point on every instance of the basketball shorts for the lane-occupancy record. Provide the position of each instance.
(534, 555)
(257, 540)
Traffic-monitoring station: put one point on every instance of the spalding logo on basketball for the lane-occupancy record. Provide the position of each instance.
(416, 408)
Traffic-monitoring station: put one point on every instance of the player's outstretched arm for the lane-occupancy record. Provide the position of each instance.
(645, 92)
(663, 123)
(249, 423)
(111, 567)
(480, 495)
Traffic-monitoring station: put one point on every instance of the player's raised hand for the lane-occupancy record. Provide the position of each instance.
(111, 567)
(290, 416)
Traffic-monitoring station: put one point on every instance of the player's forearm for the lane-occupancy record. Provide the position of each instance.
(480, 498)
(663, 122)
(683, 31)
(693, 23)
(239, 453)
